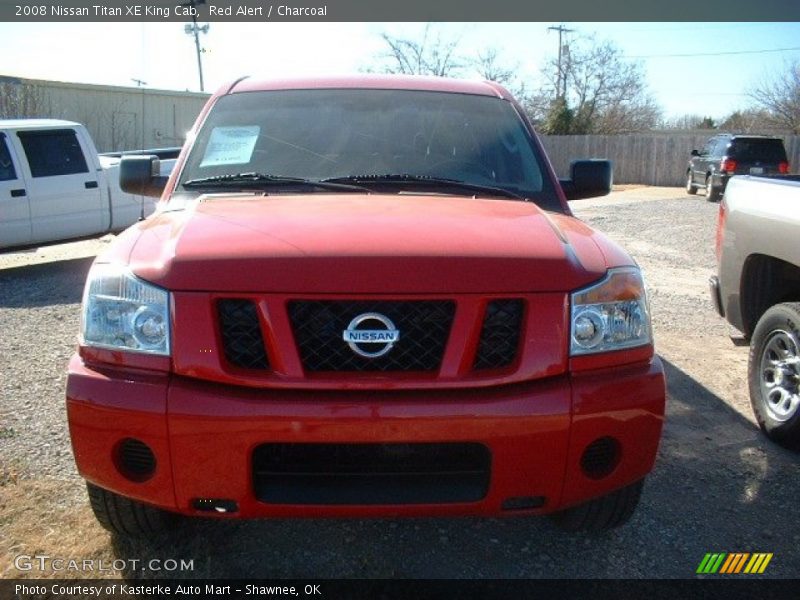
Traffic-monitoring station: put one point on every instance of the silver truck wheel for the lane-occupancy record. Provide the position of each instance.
(691, 188)
(774, 373)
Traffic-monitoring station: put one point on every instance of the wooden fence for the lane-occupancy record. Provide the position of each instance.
(651, 159)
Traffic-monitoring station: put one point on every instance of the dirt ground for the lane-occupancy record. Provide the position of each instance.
(718, 485)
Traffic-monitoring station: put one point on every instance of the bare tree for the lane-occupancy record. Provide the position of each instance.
(20, 98)
(780, 98)
(430, 55)
(605, 93)
(688, 123)
(488, 65)
(751, 120)
(434, 54)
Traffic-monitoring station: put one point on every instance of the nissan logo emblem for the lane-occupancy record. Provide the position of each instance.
(372, 330)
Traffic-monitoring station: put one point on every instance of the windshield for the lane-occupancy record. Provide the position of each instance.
(322, 134)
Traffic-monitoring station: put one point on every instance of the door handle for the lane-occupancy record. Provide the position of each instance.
(18, 193)
(90, 184)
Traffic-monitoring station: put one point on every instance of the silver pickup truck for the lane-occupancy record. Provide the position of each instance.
(757, 289)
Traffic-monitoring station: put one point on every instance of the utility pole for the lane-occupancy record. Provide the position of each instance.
(561, 86)
(195, 29)
(139, 83)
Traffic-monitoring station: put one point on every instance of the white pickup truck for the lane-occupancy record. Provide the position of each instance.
(55, 186)
(757, 289)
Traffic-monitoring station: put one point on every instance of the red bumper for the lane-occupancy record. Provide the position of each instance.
(204, 435)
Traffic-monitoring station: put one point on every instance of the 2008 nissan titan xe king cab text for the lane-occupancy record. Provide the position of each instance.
(364, 297)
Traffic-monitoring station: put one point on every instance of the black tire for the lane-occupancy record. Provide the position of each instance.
(128, 518)
(773, 374)
(691, 188)
(607, 512)
(712, 193)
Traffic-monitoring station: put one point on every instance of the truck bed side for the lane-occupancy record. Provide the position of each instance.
(759, 257)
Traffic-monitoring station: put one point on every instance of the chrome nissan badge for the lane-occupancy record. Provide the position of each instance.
(376, 330)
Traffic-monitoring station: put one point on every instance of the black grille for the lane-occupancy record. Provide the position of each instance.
(241, 334)
(500, 334)
(424, 327)
(397, 473)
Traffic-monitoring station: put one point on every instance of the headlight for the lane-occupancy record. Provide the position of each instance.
(610, 315)
(123, 312)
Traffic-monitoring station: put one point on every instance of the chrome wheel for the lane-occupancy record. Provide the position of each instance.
(780, 375)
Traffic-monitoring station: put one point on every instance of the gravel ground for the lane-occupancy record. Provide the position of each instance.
(718, 485)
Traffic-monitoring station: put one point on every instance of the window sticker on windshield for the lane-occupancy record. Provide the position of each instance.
(230, 145)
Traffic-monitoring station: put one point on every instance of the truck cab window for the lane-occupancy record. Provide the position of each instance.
(53, 152)
(7, 171)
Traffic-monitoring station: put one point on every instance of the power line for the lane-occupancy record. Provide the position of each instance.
(733, 52)
(660, 28)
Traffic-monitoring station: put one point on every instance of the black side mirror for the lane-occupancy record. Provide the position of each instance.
(695, 153)
(588, 179)
(141, 175)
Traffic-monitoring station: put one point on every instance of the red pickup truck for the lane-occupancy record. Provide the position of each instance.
(364, 297)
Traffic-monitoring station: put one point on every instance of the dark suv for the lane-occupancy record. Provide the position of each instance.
(726, 155)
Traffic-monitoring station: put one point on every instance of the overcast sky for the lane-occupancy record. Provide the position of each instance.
(692, 68)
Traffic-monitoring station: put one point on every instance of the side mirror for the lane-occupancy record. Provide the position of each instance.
(695, 153)
(141, 175)
(588, 179)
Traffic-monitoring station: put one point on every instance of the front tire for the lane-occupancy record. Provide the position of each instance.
(691, 188)
(607, 512)
(125, 517)
(773, 373)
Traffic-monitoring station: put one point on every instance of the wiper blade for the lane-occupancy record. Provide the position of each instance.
(259, 180)
(423, 180)
(239, 178)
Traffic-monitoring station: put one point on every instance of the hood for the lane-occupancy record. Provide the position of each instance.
(365, 244)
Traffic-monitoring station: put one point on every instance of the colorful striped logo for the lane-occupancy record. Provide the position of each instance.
(734, 563)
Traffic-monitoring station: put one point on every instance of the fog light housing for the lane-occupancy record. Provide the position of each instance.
(135, 460)
(601, 457)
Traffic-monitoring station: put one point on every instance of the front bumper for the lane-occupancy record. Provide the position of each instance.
(204, 435)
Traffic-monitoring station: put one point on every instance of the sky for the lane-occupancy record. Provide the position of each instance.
(701, 69)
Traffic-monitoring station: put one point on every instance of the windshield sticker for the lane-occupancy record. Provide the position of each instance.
(231, 145)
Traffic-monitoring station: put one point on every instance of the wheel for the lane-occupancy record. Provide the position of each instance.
(774, 373)
(606, 512)
(691, 188)
(126, 517)
(712, 193)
